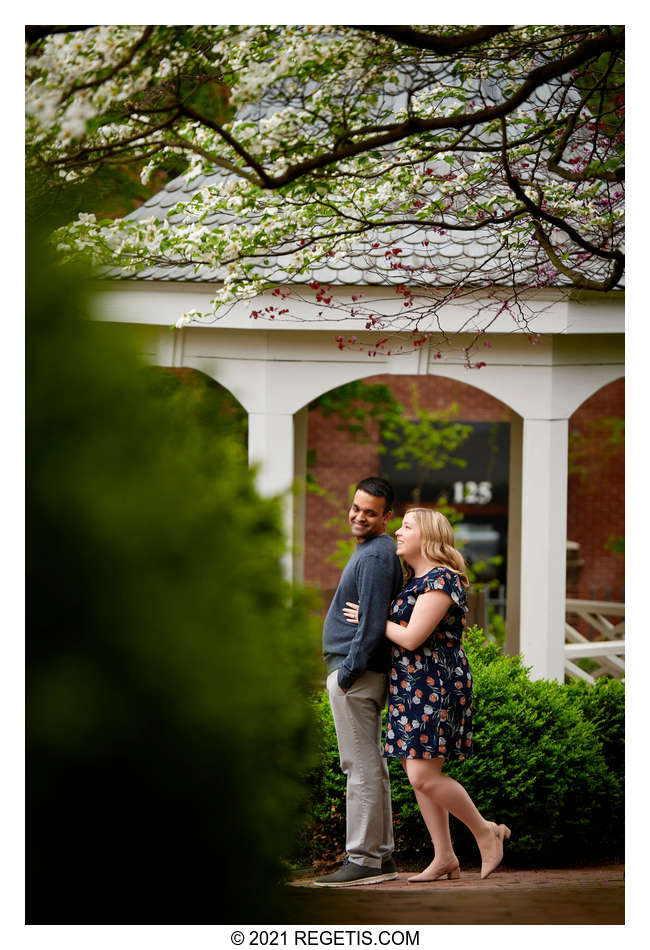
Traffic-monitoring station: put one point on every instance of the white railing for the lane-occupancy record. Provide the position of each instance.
(609, 651)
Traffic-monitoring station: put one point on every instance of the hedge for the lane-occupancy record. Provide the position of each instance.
(548, 761)
(168, 717)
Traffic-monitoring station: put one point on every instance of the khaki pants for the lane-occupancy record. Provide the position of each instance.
(357, 719)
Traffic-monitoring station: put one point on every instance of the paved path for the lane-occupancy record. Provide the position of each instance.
(563, 896)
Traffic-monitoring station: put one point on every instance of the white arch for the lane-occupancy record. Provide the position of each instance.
(594, 392)
(533, 391)
(280, 369)
(279, 372)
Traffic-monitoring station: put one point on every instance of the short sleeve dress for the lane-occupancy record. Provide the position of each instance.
(430, 688)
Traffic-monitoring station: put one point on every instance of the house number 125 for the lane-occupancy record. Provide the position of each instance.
(473, 493)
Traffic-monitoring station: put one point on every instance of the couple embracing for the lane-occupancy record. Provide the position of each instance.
(397, 634)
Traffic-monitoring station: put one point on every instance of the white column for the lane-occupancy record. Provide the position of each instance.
(270, 450)
(513, 579)
(543, 546)
(276, 444)
(300, 424)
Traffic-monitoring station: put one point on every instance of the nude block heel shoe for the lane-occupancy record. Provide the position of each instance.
(502, 832)
(452, 874)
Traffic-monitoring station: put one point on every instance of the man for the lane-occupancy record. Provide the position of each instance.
(357, 657)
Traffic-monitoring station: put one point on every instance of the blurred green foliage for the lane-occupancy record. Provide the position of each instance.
(425, 440)
(496, 629)
(111, 191)
(548, 761)
(615, 543)
(592, 448)
(162, 640)
(357, 403)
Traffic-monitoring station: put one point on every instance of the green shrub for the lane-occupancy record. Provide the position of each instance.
(541, 764)
(603, 704)
(168, 725)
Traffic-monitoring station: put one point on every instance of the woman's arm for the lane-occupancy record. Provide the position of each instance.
(430, 608)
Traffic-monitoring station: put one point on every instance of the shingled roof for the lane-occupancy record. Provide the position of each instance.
(410, 254)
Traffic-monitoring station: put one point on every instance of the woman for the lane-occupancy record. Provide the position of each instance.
(430, 702)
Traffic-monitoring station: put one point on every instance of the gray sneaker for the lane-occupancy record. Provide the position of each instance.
(350, 874)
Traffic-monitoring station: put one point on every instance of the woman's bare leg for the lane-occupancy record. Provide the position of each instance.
(432, 787)
(444, 857)
(437, 821)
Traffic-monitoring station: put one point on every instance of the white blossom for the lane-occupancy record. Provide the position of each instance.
(292, 90)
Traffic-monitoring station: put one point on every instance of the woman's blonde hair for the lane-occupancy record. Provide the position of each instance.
(438, 542)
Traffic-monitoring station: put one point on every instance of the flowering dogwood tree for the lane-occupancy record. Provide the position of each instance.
(315, 143)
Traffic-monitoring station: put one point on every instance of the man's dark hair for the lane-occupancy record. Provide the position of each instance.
(378, 487)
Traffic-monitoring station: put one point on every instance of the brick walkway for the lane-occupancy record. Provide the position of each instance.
(562, 896)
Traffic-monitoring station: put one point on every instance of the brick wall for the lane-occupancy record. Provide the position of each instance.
(340, 462)
(596, 507)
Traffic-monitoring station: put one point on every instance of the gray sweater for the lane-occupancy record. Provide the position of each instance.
(372, 578)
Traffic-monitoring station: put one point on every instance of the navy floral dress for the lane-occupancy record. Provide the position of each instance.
(430, 688)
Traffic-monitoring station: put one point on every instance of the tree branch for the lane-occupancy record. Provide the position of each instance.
(408, 36)
(592, 171)
(539, 214)
(86, 155)
(577, 279)
(34, 33)
(587, 50)
(265, 179)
